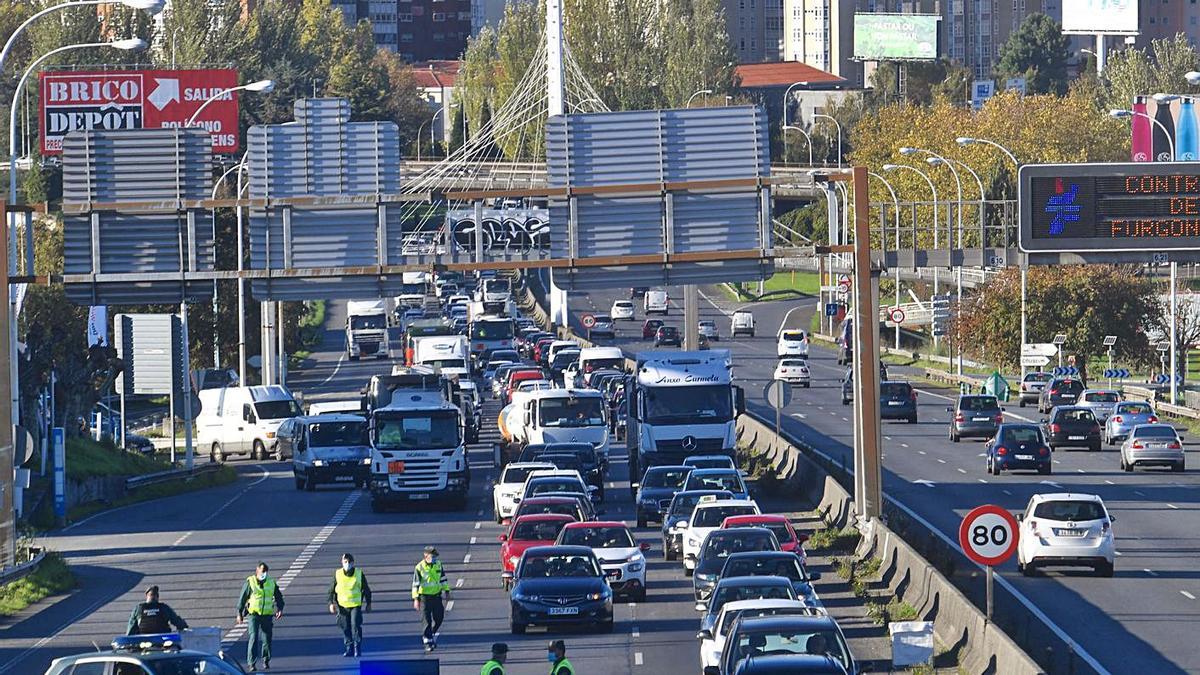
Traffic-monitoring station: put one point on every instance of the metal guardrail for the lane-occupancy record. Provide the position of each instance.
(173, 474)
(15, 572)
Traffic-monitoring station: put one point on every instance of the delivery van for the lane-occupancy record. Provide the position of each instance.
(243, 420)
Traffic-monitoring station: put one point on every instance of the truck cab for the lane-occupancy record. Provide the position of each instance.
(681, 404)
(495, 294)
(366, 329)
(556, 416)
(417, 450)
(488, 333)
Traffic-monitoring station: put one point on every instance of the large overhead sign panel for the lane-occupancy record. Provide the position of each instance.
(137, 99)
(659, 185)
(1086, 208)
(1116, 17)
(901, 37)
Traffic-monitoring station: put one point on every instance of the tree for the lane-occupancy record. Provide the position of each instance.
(200, 32)
(1038, 52)
(699, 54)
(357, 77)
(402, 100)
(1084, 302)
(1142, 72)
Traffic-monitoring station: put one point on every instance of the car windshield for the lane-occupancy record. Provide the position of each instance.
(713, 516)
(565, 358)
(368, 322)
(1154, 432)
(705, 404)
(727, 593)
(277, 410)
(724, 544)
(793, 335)
(1079, 416)
(1069, 509)
(1135, 409)
(572, 411)
(1102, 397)
(598, 537)
(773, 642)
(417, 430)
(559, 566)
(184, 664)
(492, 330)
(715, 480)
(787, 567)
(1019, 435)
(894, 389)
(445, 363)
(978, 403)
(537, 530)
(543, 485)
(496, 285)
(666, 478)
(330, 434)
(615, 363)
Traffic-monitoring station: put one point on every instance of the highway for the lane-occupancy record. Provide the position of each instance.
(200, 547)
(1138, 621)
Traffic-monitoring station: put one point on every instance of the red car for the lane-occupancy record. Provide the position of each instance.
(650, 327)
(540, 529)
(541, 347)
(517, 377)
(780, 525)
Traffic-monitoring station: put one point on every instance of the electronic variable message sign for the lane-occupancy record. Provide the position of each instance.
(1109, 207)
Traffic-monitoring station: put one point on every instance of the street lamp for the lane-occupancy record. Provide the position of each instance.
(265, 86)
(786, 95)
(437, 112)
(705, 92)
(1193, 78)
(933, 189)
(839, 135)
(787, 128)
(152, 6)
(896, 206)
(935, 161)
(1121, 114)
(967, 140)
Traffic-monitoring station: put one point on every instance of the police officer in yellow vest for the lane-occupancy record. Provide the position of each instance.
(556, 654)
(495, 665)
(262, 602)
(349, 597)
(429, 589)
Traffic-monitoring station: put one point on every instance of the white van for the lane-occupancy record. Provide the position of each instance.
(742, 323)
(596, 358)
(655, 302)
(243, 420)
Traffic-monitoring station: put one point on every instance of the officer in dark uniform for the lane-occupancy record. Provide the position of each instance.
(153, 616)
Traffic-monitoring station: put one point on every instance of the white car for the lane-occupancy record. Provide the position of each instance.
(622, 309)
(507, 491)
(712, 642)
(794, 371)
(554, 480)
(1066, 529)
(709, 514)
(709, 462)
(622, 559)
(708, 329)
(792, 342)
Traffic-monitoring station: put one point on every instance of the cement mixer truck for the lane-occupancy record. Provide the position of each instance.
(552, 416)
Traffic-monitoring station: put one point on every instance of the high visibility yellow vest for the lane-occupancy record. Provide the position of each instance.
(262, 596)
(492, 668)
(431, 578)
(348, 587)
(563, 667)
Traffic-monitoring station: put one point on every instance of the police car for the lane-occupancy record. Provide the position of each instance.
(146, 655)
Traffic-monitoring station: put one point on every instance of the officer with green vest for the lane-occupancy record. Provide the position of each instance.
(429, 591)
(495, 665)
(261, 602)
(349, 597)
(556, 654)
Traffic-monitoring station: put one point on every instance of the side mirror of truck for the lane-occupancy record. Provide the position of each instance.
(739, 400)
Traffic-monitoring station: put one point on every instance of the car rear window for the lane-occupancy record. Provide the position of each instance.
(1102, 397)
(1135, 408)
(978, 403)
(775, 566)
(539, 530)
(713, 516)
(725, 544)
(793, 362)
(1068, 386)
(1038, 377)
(1021, 435)
(895, 389)
(793, 335)
(1075, 416)
(1154, 432)
(1069, 509)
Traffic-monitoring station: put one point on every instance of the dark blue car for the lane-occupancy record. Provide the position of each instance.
(654, 492)
(897, 401)
(555, 585)
(1018, 447)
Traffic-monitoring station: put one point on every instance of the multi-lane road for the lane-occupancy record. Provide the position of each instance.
(1138, 621)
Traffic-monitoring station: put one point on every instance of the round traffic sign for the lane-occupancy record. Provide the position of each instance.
(778, 394)
(587, 320)
(897, 315)
(844, 282)
(988, 534)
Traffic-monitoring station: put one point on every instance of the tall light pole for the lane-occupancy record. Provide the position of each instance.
(1121, 114)
(152, 6)
(839, 134)
(896, 207)
(432, 142)
(787, 128)
(932, 189)
(704, 92)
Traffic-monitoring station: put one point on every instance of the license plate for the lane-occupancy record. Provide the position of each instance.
(980, 419)
(395, 467)
(1024, 456)
(1075, 438)
(562, 611)
(1067, 395)
(895, 402)
(1070, 533)
(419, 496)
(614, 574)
(344, 478)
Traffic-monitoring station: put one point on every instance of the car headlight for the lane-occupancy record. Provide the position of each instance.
(692, 541)
(318, 462)
(706, 577)
(366, 461)
(526, 598)
(635, 567)
(634, 557)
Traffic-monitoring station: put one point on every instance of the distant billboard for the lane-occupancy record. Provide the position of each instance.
(137, 99)
(883, 37)
(1119, 17)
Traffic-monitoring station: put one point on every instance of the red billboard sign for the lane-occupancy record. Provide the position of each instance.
(137, 99)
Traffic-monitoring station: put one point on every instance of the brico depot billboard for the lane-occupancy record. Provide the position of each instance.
(137, 99)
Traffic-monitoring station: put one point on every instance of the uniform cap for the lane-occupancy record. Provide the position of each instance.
(557, 645)
(431, 549)
(152, 589)
(499, 648)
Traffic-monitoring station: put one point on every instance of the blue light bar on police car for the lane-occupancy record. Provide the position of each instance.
(157, 642)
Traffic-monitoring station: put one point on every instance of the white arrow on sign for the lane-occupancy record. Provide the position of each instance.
(166, 92)
(1039, 349)
(1034, 361)
(926, 483)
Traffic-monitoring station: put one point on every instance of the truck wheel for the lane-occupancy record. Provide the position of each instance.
(218, 453)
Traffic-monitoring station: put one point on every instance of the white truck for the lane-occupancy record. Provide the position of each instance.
(243, 420)
(555, 416)
(414, 287)
(417, 444)
(681, 404)
(495, 294)
(489, 333)
(447, 354)
(366, 329)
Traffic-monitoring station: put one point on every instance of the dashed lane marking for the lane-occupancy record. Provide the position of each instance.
(1187, 595)
(467, 559)
(637, 658)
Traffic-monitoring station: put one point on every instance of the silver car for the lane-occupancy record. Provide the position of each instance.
(709, 330)
(1152, 445)
(1125, 416)
(1100, 401)
(1031, 387)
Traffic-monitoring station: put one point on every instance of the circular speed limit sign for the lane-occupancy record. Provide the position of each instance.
(897, 315)
(587, 320)
(988, 535)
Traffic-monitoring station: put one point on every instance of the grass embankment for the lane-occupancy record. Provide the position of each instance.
(311, 325)
(51, 577)
(799, 282)
(88, 459)
(222, 476)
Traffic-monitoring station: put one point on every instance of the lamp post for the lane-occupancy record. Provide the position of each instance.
(1121, 114)
(152, 6)
(839, 135)
(932, 189)
(265, 86)
(896, 206)
(787, 128)
(432, 142)
(704, 92)
(786, 95)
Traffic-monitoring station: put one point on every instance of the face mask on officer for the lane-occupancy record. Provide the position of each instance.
(347, 566)
(550, 657)
(262, 576)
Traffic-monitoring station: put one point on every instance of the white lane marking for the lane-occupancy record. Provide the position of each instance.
(1172, 506)
(449, 605)
(919, 451)
(981, 480)
(1118, 553)
(636, 633)
(473, 539)
(1187, 595)
(1139, 493)
(478, 525)
(458, 583)
(1110, 482)
(1149, 571)
(181, 538)
(637, 658)
(845, 419)
(941, 461)
(46, 640)
(337, 366)
(467, 559)
(1007, 492)
(804, 417)
(905, 445)
(962, 471)
(1080, 470)
(302, 560)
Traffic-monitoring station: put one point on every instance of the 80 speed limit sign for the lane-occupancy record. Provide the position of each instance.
(988, 535)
